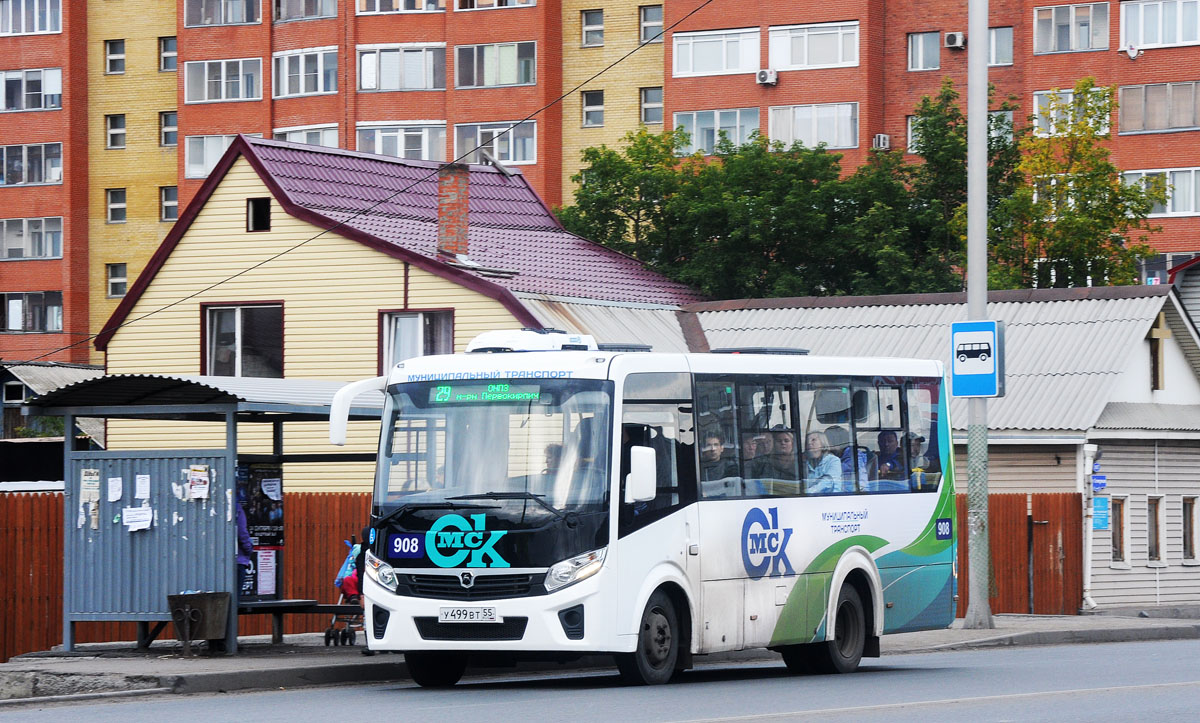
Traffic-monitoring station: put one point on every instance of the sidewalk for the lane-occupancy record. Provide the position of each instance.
(116, 669)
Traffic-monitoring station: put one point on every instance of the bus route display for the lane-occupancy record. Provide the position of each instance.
(497, 393)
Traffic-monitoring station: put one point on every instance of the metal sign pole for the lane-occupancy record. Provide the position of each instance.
(979, 614)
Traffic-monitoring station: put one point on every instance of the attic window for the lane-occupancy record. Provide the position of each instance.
(258, 214)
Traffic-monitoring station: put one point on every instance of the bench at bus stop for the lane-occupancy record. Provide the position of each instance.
(278, 608)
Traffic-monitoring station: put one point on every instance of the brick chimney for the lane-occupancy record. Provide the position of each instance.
(453, 202)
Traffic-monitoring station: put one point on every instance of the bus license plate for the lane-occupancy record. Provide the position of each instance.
(468, 615)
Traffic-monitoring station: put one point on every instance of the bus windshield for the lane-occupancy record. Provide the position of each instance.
(536, 440)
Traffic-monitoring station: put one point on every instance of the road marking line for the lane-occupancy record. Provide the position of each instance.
(945, 701)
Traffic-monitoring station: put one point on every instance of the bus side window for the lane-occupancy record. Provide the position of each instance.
(719, 471)
(880, 433)
(924, 455)
(665, 427)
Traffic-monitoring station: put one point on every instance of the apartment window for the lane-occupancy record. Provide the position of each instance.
(114, 126)
(244, 341)
(402, 68)
(114, 56)
(220, 12)
(168, 128)
(304, 9)
(716, 53)
(323, 135)
(1159, 107)
(420, 142)
(258, 214)
(485, 66)
(202, 153)
(504, 142)
(408, 335)
(1159, 23)
(705, 127)
(115, 201)
(1048, 118)
(593, 27)
(30, 164)
(30, 238)
(209, 81)
(306, 72)
(650, 22)
(1156, 269)
(1065, 28)
(1145, 177)
(593, 108)
(1154, 529)
(1116, 522)
(29, 17)
(39, 89)
(168, 54)
(490, 4)
(1000, 48)
(652, 105)
(38, 311)
(168, 203)
(1000, 124)
(798, 47)
(924, 51)
(117, 280)
(1189, 528)
(834, 125)
(372, 7)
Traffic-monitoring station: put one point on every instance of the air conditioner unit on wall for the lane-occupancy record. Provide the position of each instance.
(766, 76)
(882, 141)
(955, 40)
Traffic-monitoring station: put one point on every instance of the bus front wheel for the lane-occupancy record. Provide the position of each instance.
(436, 670)
(654, 660)
(843, 653)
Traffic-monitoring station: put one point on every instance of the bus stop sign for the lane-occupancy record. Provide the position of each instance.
(977, 359)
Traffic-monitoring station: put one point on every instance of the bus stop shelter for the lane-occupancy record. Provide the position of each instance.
(142, 524)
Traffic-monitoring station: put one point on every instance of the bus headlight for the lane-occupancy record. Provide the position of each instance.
(575, 569)
(380, 571)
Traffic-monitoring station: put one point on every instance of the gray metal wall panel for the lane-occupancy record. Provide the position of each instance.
(115, 574)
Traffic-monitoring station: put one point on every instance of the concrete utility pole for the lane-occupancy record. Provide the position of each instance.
(979, 613)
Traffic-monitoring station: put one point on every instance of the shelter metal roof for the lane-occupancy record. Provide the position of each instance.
(657, 326)
(43, 377)
(1063, 351)
(1164, 417)
(296, 398)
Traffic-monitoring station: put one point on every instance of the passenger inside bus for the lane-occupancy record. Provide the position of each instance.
(848, 454)
(822, 468)
(891, 459)
(713, 463)
(754, 464)
(783, 457)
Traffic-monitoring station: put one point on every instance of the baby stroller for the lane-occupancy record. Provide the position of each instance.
(343, 628)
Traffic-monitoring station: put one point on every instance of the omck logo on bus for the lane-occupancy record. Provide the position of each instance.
(454, 540)
(764, 544)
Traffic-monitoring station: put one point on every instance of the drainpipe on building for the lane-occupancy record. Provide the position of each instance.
(1090, 454)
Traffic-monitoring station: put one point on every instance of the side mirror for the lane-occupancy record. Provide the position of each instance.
(339, 408)
(641, 482)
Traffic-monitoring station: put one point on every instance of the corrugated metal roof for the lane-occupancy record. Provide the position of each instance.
(1162, 417)
(45, 377)
(1062, 355)
(155, 389)
(510, 228)
(658, 327)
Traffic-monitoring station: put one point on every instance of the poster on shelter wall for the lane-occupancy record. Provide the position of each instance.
(260, 493)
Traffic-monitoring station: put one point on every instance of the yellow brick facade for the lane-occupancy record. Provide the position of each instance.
(144, 165)
(332, 290)
(621, 86)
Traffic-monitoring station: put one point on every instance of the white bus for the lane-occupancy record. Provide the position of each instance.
(540, 496)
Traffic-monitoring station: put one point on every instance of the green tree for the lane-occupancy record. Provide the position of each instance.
(1073, 221)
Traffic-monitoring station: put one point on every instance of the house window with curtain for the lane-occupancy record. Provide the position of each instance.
(244, 340)
(408, 334)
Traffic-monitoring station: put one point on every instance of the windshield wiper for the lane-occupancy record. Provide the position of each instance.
(514, 496)
(411, 506)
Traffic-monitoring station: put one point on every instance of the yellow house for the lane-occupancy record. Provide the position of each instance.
(320, 263)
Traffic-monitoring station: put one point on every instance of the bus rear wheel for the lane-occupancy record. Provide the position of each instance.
(436, 670)
(654, 660)
(843, 653)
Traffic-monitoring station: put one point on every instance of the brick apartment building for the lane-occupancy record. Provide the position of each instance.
(149, 95)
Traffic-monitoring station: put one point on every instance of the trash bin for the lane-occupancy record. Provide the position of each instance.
(199, 616)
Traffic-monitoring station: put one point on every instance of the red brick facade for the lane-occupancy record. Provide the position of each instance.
(66, 275)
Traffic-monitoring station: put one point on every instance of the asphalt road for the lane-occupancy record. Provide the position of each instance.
(1157, 681)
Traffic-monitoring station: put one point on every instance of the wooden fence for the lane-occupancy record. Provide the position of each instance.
(1040, 532)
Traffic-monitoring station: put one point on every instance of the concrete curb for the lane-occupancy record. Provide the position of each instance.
(41, 699)
(1065, 637)
(222, 682)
